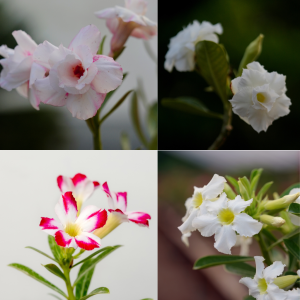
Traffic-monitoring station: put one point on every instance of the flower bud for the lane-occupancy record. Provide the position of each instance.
(273, 221)
(281, 203)
(229, 192)
(285, 281)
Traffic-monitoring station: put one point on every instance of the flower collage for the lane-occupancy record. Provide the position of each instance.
(149, 151)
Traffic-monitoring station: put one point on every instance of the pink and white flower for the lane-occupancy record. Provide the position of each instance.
(17, 66)
(75, 76)
(117, 203)
(126, 21)
(72, 231)
(81, 187)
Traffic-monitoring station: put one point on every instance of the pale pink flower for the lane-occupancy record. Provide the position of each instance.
(72, 231)
(126, 21)
(75, 76)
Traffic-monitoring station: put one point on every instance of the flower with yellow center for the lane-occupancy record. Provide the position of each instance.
(223, 218)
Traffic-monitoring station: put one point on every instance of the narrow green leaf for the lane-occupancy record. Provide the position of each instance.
(39, 251)
(190, 105)
(234, 183)
(251, 54)
(287, 236)
(136, 119)
(118, 53)
(292, 264)
(287, 191)
(241, 268)
(263, 190)
(115, 107)
(55, 270)
(270, 238)
(95, 261)
(55, 249)
(253, 174)
(37, 277)
(294, 209)
(215, 260)
(255, 179)
(102, 290)
(243, 191)
(100, 51)
(84, 283)
(213, 66)
(229, 192)
(249, 298)
(54, 296)
(125, 142)
(152, 119)
(246, 184)
(293, 246)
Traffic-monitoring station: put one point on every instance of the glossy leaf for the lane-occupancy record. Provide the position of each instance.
(55, 249)
(84, 283)
(213, 66)
(101, 256)
(55, 270)
(102, 290)
(293, 245)
(152, 119)
(37, 277)
(294, 209)
(39, 251)
(287, 191)
(251, 54)
(190, 105)
(125, 141)
(215, 260)
(241, 269)
(263, 190)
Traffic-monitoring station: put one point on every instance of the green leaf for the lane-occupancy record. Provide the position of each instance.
(55, 270)
(246, 184)
(234, 183)
(263, 190)
(292, 264)
(152, 119)
(254, 180)
(95, 261)
(54, 296)
(243, 191)
(293, 245)
(118, 53)
(251, 54)
(37, 277)
(213, 66)
(102, 290)
(84, 283)
(249, 298)
(241, 269)
(287, 191)
(294, 209)
(115, 107)
(100, 51)
(190, 105)
(215, 260)
(39, 251)
(125, 141)
(287, 236)
(136, 119)
(55, 249)
(229, 192)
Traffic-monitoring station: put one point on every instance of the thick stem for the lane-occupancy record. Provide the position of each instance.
(226, 127)
(68, 283)
(97, 139)
(264, 250)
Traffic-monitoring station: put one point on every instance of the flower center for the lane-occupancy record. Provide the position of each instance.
(260, 98)
(262, 285)
(78, 71)
(72, 229)
(226, 216)
(197, 200)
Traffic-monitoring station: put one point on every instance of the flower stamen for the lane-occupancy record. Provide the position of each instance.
(262, 285)
(226, 216)
(72, 229)
(78, 71)
(261, 98)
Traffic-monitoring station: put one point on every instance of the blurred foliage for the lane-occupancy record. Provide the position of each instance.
(242, 22)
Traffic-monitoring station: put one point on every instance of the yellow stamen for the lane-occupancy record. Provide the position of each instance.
(262, 286)
(197, 200)
(260, 98)
(226, 216)
(72, 229)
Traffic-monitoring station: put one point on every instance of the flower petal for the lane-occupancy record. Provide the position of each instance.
(207, 224)
(50, 225)
(65, 183)
(66, 208)
(245, 225)
(111, 203)
(225, 238)
(78, 178)
(238, 204)
(6, 52)
(63, 239)
(96, 184)
(42, 54)
(88, 241)
(274, 292)
(91, 218)
(214, 188)
(215, 206)
(139, 218)
(121, 198)
(187, 226)
(273, 271)
(252, 286)
(259, 266)
(23, 89)
(26, 43)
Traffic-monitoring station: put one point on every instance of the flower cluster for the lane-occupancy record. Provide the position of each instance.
(84, 229)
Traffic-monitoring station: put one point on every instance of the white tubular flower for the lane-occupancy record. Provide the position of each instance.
(295, 219)
(223, 218)
(194, 205)
(262, 286)
(244, 242)
(182, 46)
(259, 96)
(293, 294)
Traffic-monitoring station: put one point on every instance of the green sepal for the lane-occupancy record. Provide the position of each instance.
(102, 290)
(294, 209)
(241, 268)
(55, 270)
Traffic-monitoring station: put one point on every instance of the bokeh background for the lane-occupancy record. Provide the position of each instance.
(179, 172)
(242, 22)
(54, 128)
(29, 191)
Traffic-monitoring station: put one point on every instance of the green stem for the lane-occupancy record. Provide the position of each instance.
(68, 283)
(226, 127)
(263, 249)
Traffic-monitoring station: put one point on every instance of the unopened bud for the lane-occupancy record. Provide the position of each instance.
(273, 221)
(281, 203)
(285, 281)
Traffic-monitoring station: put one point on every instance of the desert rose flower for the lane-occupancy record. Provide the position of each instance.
(262, 287)
(182, 47)
(293, 294)
(117, 203)
(126, 21)
(76, 76)
(80, 186)
(194, 205)
(72, 231)
(244, 242)
(17, 66)
(223, 218)
(259, 96)
(295, 219)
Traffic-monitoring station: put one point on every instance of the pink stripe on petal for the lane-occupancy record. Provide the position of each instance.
(86, 242)
(47, 223)
(100, 219)
(139, 218)
(116, 210)
(69, 202)
(96, 184)
(60, 182)
(106, 189)
(78, 178)
(122, 200)
(62, 239)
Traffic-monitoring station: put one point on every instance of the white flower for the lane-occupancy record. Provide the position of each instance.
(262, 286)
(293, 294)
(295, 219)
(259, 96)
(223, 218)
(182, 47)
(244, 242)
(193, 205)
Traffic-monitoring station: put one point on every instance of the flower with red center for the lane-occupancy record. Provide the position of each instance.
(126, 21)
(72, 231)
(78, 77)
(117, 203)
(81, 187)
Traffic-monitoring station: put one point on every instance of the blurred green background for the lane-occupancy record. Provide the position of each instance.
(242, 22)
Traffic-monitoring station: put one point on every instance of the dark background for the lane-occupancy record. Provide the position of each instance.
(242, 22)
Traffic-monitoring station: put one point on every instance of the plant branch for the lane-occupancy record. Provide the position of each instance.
(263, 249)
(68, 283)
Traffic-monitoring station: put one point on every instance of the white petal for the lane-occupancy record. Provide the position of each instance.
(42, 54)
(259, 266)
(238, 204)
(185, 238)
(256, 66)
(214, 188)
(23, 89)
(295, 219)
(246, 225)
(280, 107)
(25, 41)
(273, 271)
(37, 72)
(259, 120)
(234, 85)
(6, 52)
(251, 78)
(189, 208)
(58, 55)
(275, 293)
(215, 206)
(276, 81)
(207, 224)
(84, 189)
(252, 286)
(225, 238)
(85, 54)
(242, 102)
(187, 226)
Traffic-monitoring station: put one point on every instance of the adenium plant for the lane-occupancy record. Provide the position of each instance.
(77, 228)
(235, 213)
